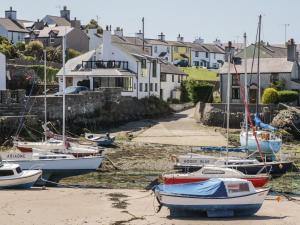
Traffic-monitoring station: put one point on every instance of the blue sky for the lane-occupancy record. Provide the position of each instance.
(210, 19)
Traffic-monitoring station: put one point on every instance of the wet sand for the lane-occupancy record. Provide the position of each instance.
(118, 207)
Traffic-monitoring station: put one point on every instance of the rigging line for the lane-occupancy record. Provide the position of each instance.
(248, 114)
(253, 56)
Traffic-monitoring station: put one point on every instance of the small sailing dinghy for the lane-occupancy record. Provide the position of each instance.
(13, 177)
(101, 140)
(209, 172)
(222, 197)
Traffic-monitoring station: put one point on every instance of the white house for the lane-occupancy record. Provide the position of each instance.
(161, 48)
(95, 39)
(12, 28)
(117, 65)
(2, 72)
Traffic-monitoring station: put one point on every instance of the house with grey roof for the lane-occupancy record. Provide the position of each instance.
(12, 28)
(53, 36)
(121, 65)
(283, 69)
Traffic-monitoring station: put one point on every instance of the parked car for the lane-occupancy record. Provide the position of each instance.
(73, 90)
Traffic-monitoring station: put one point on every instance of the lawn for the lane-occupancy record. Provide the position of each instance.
(200, 74)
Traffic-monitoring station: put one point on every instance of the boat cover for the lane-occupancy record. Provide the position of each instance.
(210, 188)
(262, 125)
(219, 149)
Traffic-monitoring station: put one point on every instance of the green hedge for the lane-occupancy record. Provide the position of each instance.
(270, 96)
(51, 72)
(199, 91)
(288, 96)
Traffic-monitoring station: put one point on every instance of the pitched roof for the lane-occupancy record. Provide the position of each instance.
(59, 21)
(267, 65)
(196, 47)
(213, 48)
(12, 25)
(60, 31)
(266, 51)
(168, 68)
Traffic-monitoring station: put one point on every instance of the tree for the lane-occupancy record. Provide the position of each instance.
(270, 96)
(93, 24)
(20, 46)
(72, 53)
(35, 49)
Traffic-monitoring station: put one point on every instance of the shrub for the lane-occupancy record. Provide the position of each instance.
(51, 72)
(72, 53)
(184, 96)
(20, 46)
(288, 96)
(35, 49)
(270, 96)
(200, 91)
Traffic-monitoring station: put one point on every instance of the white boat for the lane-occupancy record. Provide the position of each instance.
(208, 172)
(101, 140)
(222, 197)
(54, 166)
(27, 146)
(12, 176)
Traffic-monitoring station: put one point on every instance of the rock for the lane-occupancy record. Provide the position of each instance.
(288, 120)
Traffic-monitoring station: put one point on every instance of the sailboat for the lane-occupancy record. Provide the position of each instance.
(55, 166)
(265, 135)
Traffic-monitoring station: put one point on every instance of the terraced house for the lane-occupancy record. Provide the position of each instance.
(120, 64)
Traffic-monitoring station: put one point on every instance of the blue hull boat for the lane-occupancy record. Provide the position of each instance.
(226, 197)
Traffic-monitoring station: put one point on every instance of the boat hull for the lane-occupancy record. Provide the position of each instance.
(26, 180)
(275, 168)
(257, 182)
(214, 207)
(55, 170)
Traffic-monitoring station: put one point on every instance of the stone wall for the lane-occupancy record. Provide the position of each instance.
(213, 114)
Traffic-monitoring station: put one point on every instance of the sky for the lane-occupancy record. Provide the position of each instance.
(226, 20)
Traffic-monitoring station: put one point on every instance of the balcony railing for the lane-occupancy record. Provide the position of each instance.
(100, 64)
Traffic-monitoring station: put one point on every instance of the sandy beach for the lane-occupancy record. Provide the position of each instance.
(117, 207)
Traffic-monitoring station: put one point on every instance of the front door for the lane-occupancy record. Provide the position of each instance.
(253, 96)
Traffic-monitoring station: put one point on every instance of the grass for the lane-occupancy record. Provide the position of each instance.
(200, 74)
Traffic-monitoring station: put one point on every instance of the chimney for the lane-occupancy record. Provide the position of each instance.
(291, 50)
(39, 25)
(11, 14)
(107, 47)
(229, 50)
(180, 39)
(139, 34)
(161, 37)
(76, 23)
(118, 32)
(199, 40)
(217, 42)
(65, 13)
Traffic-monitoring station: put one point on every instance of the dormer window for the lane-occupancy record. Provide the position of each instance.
(51, 38)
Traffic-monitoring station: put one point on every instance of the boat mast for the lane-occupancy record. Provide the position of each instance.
(258, 62)
(64, 96)
(246, 88)
(45, 90)
(228, 97)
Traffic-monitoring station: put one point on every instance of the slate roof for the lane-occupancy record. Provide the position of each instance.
(266, 51)
(60, 31)
(168, 68)
(12, 25)
(59, 21)
(213, 48)
(267, 65)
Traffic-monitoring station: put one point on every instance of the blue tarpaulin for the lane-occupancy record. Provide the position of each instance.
(210, 188)
(219, 149)
(262, 125)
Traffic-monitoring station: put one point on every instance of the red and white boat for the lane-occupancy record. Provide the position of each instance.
(208, 172)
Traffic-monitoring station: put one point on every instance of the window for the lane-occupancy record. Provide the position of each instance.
(234, 188)
(196, 54)
(206, 54)
(141, 87)
(155, 86)
(168, 49)
(4, 173)
(235, 80)
(196, 63)
(178, 78)
(274, 77)
(144, 64)
(236, 93)
(172, 78)
(163, 78)
(18, 169)
(154, 68)
(175, 49)
(151, 86)
(51, 39)
(134, 86)
(214, 55)
(208, 171)
(146, 87)
(155, 49)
